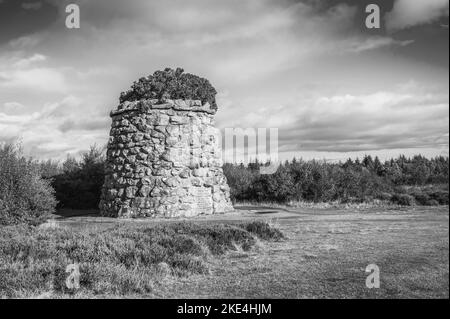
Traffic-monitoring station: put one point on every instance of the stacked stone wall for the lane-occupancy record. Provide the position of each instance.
(164, 160)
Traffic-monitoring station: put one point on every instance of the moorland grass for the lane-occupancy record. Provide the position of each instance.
(126, 259)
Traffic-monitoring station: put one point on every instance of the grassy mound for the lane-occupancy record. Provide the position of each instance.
(122, 260)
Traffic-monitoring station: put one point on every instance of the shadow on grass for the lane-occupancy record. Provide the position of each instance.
(68, 213)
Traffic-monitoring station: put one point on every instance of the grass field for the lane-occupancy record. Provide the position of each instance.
(324, 254)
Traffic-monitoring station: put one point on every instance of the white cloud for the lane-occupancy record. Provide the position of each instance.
(26, 62)
(295, 67)
(42, 134)
(398, 119)
(381, 120)
(409, 13)
(24, 42)
(373, 43)
(37, 79)
(24, 74)
(15, 119)
(12, 106)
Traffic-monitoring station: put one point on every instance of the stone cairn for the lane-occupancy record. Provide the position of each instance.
(164, 160)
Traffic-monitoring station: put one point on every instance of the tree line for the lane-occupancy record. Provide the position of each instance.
(401, 180)
(29, 189)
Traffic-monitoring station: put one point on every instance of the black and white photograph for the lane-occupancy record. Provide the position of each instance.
(224, 155)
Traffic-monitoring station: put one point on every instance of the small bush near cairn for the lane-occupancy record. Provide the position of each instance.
(171, 84)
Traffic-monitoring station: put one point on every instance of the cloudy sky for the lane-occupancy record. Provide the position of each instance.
(312, 69)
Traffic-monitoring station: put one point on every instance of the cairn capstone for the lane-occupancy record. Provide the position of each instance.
(164, 160)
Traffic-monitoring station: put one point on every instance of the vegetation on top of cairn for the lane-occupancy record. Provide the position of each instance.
(171, 84)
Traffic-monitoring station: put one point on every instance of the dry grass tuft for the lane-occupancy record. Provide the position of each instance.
(118, 261)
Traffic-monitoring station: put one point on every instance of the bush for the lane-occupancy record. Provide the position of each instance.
(171, 84)
(25, 197)
(440, 196)
(278, 187)
(79, 187)
(240, 180)
(421, 198)
(219, 238)
(384, 196)
(263, 230)
(433, 202)
(403, 199)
